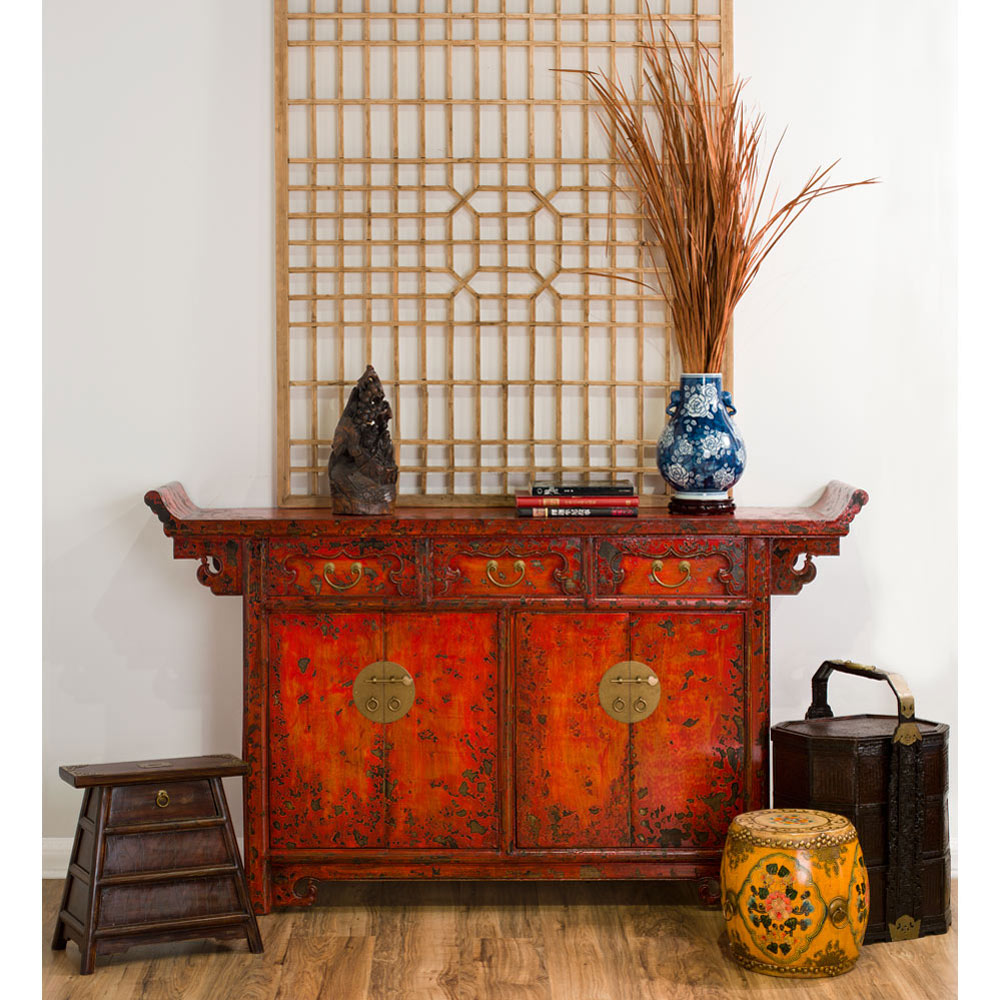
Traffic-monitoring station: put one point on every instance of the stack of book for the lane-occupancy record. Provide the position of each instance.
(598, 500)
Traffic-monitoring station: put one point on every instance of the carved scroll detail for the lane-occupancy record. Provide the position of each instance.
(292, 889)
(221, 568)
(785, 553)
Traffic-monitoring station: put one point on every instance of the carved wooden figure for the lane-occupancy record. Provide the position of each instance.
(462, 693)
(362, 465)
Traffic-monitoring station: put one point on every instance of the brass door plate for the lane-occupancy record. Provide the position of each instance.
(383, 691)
(629, 691)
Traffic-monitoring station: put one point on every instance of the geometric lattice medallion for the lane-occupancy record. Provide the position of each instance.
(443, 190)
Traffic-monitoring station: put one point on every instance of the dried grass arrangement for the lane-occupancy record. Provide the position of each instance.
(692, 159)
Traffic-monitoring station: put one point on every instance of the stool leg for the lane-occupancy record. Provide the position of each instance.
(254, 942)
(59, 934)
(88, 947)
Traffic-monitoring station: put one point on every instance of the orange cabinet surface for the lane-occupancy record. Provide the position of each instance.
(422, 692)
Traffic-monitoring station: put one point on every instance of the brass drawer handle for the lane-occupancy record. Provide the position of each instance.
(684, 566)
(494, 567)
(162, 799)
(329, 569)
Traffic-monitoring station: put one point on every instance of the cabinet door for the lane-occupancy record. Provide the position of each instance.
(440, 758)
(688, 756)
(571, 757)
(325, 776)
(671, 780)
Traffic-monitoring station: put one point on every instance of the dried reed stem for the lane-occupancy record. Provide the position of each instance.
(693, 162)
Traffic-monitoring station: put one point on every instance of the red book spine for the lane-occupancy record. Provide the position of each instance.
(577, 501)
(577, 511)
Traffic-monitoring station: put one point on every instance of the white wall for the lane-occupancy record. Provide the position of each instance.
(158, 354)
(846, 346)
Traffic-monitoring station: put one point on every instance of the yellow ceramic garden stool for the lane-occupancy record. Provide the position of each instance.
(794, 892)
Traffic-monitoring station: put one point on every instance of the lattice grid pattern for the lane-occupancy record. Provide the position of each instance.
(442, 188)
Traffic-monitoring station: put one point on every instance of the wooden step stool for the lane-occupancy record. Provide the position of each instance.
(154, 857)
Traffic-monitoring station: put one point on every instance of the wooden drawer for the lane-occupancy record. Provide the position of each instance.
(666, 567)
(128, 853)
(142, 904)
(505, 568)
(349, 570)
(183, 800)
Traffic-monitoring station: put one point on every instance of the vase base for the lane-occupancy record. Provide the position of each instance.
(701, 507)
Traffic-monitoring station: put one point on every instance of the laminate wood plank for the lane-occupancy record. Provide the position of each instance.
(485, 941)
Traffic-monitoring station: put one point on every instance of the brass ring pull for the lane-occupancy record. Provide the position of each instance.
(494, 567)
(394, 695)
(838, 911)
(684, 566)
(329, 569)
(639, 704)
(618, 705)
(162, 799)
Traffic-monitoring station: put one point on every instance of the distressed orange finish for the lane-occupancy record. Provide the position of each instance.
(657, 567)
(506, 765)
(507, 568)
(571, 756)
(326, 773)
(688, 761)
(383, 570)
(441, 757)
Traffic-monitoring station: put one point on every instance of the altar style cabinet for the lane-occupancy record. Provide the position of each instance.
(460, 693)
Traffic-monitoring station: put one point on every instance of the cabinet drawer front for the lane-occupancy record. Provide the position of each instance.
(664, 567)
(351, 570)
(505, 568)
(162, 802)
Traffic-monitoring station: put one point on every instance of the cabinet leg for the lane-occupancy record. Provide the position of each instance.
(709, 891)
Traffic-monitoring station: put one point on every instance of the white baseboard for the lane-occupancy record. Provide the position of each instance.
(55, 855)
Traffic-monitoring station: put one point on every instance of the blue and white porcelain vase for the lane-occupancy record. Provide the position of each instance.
(700, 452)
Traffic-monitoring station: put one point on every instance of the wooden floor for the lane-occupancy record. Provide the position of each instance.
(485, 940)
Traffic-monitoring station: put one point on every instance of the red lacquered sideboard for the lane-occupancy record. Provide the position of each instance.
(460, 693)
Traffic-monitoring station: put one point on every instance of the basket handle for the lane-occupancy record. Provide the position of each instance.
(907, 731)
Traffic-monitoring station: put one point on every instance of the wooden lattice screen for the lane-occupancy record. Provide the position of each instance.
(441, 188)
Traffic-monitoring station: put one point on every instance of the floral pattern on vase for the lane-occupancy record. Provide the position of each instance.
(700, 452)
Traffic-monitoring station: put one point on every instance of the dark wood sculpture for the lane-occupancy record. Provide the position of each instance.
(362, 467)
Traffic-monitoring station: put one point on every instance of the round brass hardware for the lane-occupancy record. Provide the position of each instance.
(383, 691)
(684, 566)
(162, 799)
(838, 911)
(493, 567)
(620, 696)
(329, 569)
